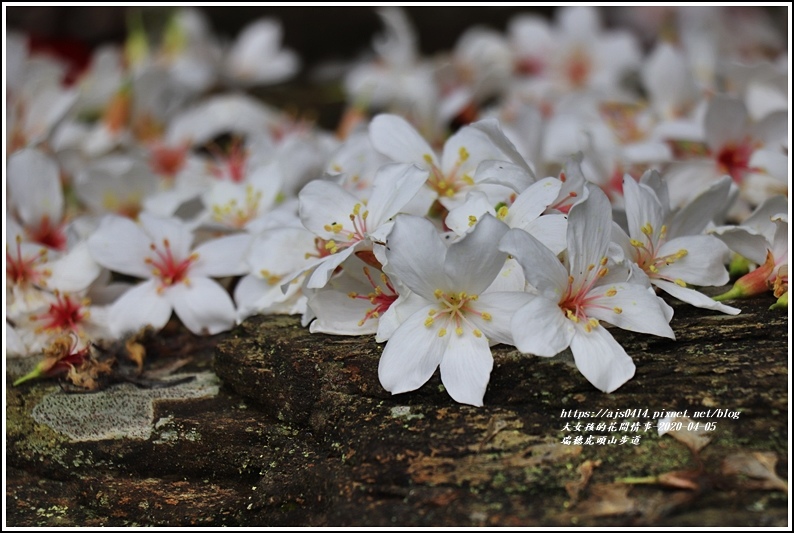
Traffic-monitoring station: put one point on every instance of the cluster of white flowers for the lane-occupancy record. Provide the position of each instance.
(528, 188)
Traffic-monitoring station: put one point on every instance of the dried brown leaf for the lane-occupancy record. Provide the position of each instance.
(694, 439)
(756, 465)
(585, 473)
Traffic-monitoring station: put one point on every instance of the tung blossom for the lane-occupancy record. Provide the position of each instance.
(667, 247)
(459, 320)
(345, 224)
(177, 278)
(573, 299)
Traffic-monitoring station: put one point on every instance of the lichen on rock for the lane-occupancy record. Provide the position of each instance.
(121, 411)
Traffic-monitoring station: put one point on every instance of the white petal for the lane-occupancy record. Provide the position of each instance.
(638, 307)
(693, 297)
(499, 172)
(473, 262)
(704, 263)
(687, 178)
(532, 202)
(416, 255)
(138, 307)
(393, 187)
(412, 354)
(601, 359)
(325, 269)
(323, 203)
(224, 256)
(551, 231)
(395, 138)
(540, 328)
(693, 218)
(177, 233)
(642, 207)
(476, 204)
(120, 245)
(725, 121)
(34, 187)
(541, 267)
(74, 271)
(466, 368)
(501, 306)
(745, 242)
(204, 307)
(338, 314)
(589, 232)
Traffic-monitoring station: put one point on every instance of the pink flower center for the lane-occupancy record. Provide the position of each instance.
(231, 166)
(734, 160)
(23, 270)
(64, 314)
(577, 68)
(48, 234)
(381, 300)
(167, 161)
(577, 298)
(348, 235)
(169, 269)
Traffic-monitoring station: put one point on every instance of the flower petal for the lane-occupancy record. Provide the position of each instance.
(501, 306)
(474, 261)
(324, 202)
(34, 186)
(466, 368)
(589, 232)
(121, 245)
(541, 267)
(601, 359)
(393, 187)
(411, 355)
(693, 218)
(693, 297)
(224, 256)
(395, 138)
(643, 208)
(540, 328)
(632, 307)
(416, 255)
(204, 307)
(138, 307)
(703, 264)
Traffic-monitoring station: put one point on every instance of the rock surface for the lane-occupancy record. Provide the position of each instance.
(302, 434)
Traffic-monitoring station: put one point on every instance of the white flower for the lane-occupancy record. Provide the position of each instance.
(345, 224)
(573, 299)
(459, 320)
(177, 279)
(452, 175)
(36, 197)
(668, 248)
(257, 56)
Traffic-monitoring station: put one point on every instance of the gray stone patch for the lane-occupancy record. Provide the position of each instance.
(119, 412)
